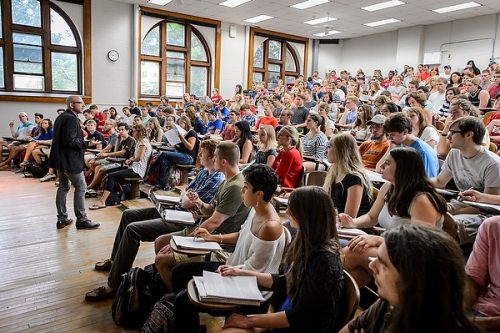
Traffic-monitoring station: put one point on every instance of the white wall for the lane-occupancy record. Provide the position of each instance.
(458, 41)
(234, 57)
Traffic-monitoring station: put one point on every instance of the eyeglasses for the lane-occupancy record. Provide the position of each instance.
(450, 132)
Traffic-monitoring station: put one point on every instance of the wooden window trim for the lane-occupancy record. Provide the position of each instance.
(83, 52)
(285, 39)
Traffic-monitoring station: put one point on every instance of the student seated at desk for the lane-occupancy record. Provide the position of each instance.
(420, 279)
(307, 298)
(266, 154)
(288, 163)
(136, 165)
(314, 143)
(43, 140)
(347, 181)
(268, 118)
(23, 132)
(407, 197)
(243, 139)
(259, 244)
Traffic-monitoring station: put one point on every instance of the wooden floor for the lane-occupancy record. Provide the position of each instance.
(45, 272)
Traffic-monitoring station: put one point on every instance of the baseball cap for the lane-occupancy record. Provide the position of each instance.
(377, 119)
(23, 114)
(131, 100)
(212, 111)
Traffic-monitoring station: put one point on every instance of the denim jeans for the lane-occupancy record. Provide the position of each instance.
(78, 181)
(168, 159)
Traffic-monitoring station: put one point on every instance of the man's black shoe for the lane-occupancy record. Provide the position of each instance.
(86, 224)
(62, 223)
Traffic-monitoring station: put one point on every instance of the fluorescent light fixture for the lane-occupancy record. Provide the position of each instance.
(259, 18)
(377, 23)
(320, 20)
(309, 4)
(233, 3)
(159, 2)
(383, 5)
(461, 6)
(328, 33)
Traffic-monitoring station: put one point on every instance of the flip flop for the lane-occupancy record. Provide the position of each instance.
(95, 207)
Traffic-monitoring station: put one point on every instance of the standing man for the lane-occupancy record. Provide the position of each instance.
(66, 157)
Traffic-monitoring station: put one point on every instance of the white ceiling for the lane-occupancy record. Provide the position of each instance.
(350, 16)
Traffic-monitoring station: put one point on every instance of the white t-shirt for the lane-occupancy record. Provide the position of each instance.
(478, 172)
(437, 99)
(430, 133)
(141, 166)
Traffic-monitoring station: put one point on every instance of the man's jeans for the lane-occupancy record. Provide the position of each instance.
(78, 181)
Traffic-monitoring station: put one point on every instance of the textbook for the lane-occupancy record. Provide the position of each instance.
(240, 290)
(350, 231)
(195, 243)
(167, 198)
(484, 207)
(178, 217)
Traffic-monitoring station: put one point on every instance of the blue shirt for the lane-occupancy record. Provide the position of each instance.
(214, 125)
(224, 112)
(205, 184)
(351, 117)
(429, 157)
(46, 136)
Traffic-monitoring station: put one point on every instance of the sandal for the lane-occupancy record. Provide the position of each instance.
(99, 294)
(96, 206)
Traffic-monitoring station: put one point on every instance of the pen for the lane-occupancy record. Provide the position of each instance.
(460, 196)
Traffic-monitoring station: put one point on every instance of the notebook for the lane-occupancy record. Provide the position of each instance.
(177, 216)
(241, 290)
(192, 243)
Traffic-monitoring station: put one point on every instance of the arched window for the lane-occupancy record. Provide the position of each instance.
(174, 59)
(40, 50)
(275, 60)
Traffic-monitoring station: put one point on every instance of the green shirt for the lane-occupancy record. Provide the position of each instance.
(228, 201)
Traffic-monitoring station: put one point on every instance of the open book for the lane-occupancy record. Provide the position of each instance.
(195, 243)
(241, 290)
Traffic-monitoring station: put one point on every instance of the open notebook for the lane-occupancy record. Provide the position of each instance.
(178, 217)
(241, 290)
(192, 243)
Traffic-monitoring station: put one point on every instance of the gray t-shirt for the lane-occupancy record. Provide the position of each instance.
(478, 172)
(396, 90)
(299, 115)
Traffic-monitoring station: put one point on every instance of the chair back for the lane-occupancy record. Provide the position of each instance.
(493, 147)
(315, 178)
(301, 180)
(450, 226)
(439, 125)
(351, 298)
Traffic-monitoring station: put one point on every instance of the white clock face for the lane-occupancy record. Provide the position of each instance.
(113, 55)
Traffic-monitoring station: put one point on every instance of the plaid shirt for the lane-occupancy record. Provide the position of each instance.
(205, 184)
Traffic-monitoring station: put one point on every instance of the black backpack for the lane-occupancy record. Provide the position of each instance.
(138, 292)
(37, 170)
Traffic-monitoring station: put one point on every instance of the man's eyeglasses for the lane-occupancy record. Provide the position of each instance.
(453, 132)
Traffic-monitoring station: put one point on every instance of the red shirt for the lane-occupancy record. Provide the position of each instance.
(288, 167)
(216, 99)
(267, 121)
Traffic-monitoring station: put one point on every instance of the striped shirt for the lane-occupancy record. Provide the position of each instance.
(315, 146)
(205, 184)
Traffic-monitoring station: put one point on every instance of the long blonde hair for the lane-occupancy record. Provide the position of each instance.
(349, 161)
(271, 137)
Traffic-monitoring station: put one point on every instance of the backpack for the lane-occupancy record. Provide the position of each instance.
(116, 196)
(138, 292)
(37, 170)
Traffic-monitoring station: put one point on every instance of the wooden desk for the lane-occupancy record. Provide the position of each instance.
(195, 299)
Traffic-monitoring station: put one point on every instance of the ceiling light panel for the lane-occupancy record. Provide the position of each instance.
(328, 33)
(383, 22)
(233, 3)
(320, 20)
(383, 5)
(309, 4)
(160, 2)
(461, 6)
(259, 18)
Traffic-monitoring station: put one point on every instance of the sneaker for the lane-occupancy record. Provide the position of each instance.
(47, 177)
(90, 193)
(23, 164)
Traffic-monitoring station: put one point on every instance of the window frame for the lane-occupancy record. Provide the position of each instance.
(285, 39)
(48, 94)
(186, 50)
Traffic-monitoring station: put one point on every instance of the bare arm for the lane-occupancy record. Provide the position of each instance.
(484, 98)
(353, 201)
(214, 221)
(423, 212)
(441, 180)
(369, 219)
(247, 150)
(270, 160)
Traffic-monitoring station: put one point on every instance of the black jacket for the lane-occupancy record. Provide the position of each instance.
(68, 147)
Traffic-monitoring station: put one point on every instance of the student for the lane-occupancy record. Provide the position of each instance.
(229, 131)
(314, 143)
(288, 163)
(350, 114)
(243, 138)
(185, 153)
(407, 197)
(400, 131)
(307, 298)
(259, 245)
(360, 130)
(267, 150)
(346, 181)
(136, 165)
(396, 89)
(154, 130)
(421, 128)
(215, 125)
(420, 278)
(268, 118)
(374, 149)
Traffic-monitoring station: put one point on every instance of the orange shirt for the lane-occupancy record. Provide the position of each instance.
(372, 151)
(267, 121)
